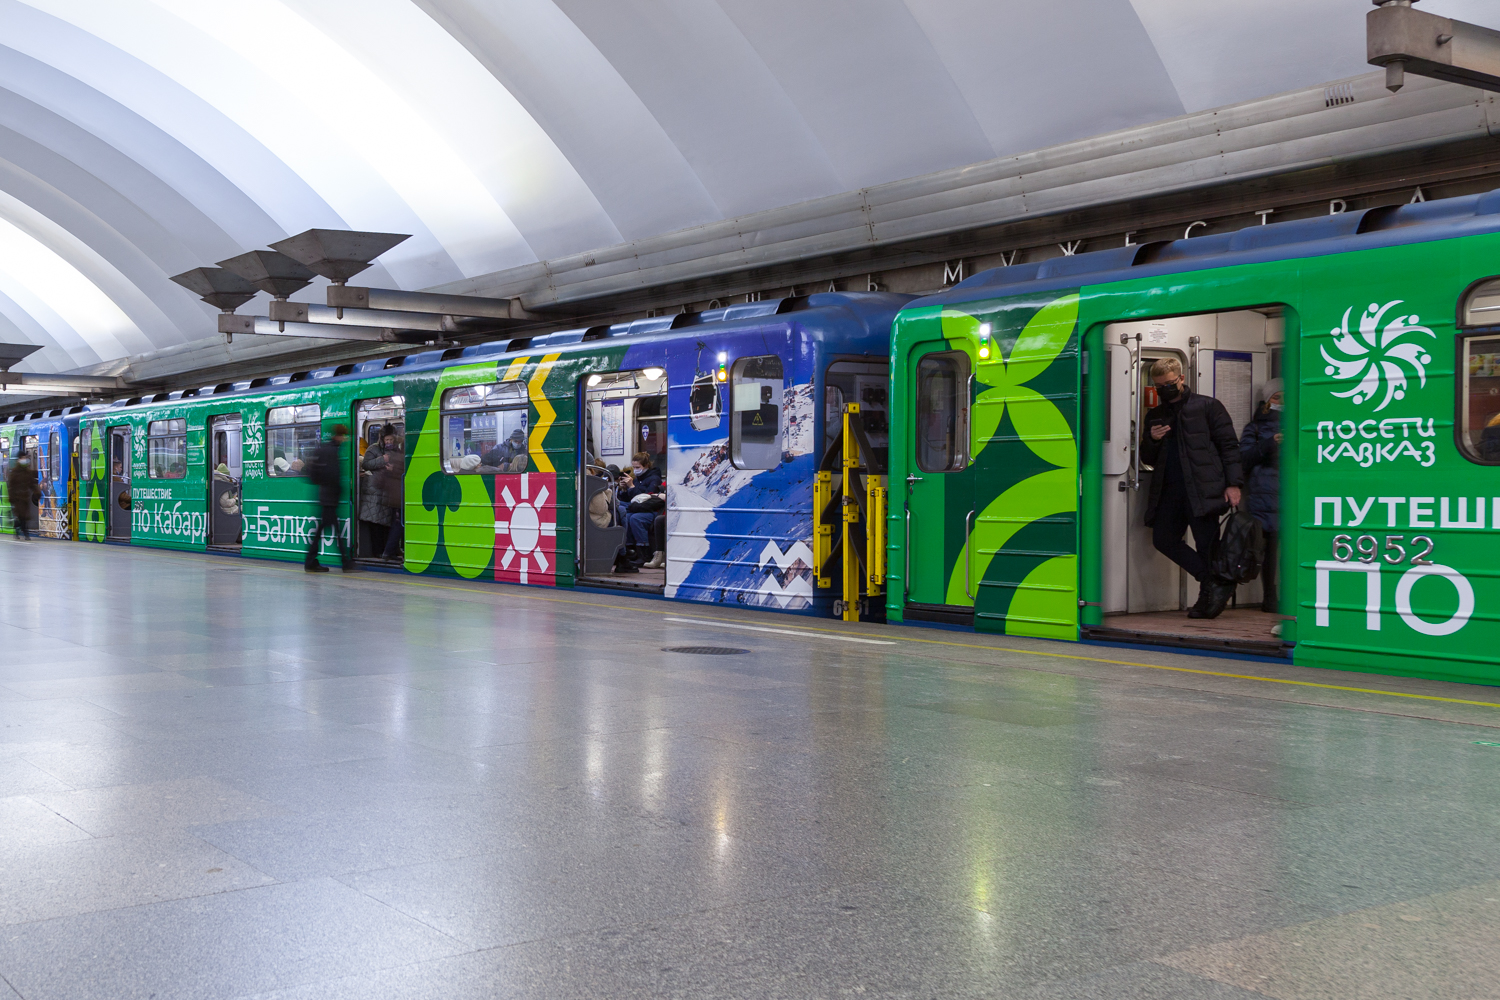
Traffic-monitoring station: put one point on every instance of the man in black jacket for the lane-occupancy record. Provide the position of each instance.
(325, 472)
(1190, 442)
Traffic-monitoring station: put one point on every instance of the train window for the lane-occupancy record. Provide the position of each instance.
(33, 449)
(485, 429)
(292, 435)
(1479, 402)
(943, 412)
(755, 428)
(166, 449)
(86, 457)
(1482, 306)
(4, 457)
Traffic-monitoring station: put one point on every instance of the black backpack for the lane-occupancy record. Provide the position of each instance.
(1241, 548)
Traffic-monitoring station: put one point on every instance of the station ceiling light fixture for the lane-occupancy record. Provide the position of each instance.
(220, 288)
(337, 254)
(379, 314)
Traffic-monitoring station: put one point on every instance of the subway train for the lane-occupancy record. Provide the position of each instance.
(969, 459)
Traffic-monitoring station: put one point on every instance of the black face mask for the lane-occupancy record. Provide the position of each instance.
(1169, 392)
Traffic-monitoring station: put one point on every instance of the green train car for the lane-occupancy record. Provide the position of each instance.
(1018, 487)
(729, 404)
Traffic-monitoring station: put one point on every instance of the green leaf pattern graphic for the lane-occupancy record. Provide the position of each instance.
(1049, 591)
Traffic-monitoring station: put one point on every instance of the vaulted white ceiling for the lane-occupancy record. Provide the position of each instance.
(141, 138)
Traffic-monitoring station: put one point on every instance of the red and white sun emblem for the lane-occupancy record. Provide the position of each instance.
(526, 529)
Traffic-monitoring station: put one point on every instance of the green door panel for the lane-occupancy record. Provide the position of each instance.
(1017, 551)
(940, 502)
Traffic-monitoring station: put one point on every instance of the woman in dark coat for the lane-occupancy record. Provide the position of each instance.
(374, 509)
(1260, 456)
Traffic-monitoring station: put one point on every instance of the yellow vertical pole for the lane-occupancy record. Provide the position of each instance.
(822, 533)
(875, 500)
(851, 516)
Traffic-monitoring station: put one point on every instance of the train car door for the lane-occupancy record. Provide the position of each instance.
(992, 463)
(624, 414)
(939, 487)
(119, 482)
(375, 516)
(75, 485)
(226, 519)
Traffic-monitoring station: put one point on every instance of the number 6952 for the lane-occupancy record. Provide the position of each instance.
(1367, 549)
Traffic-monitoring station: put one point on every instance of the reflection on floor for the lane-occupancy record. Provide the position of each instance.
(1247, 629)
(377, 785)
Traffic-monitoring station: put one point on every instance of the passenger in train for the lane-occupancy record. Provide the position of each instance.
(325, 472)
(509, 455)
(23, 489)
(374, 510)
(1489, 440)
(390, 486)
(640, 498)
(1190, 442)
(1260, 456)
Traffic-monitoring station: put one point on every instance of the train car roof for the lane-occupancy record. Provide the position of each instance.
(869, 309)
(1344, 232)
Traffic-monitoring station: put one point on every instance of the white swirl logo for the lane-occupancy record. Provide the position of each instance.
(1379, 359)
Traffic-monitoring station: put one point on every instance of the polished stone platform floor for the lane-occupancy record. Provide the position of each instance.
(226, 778)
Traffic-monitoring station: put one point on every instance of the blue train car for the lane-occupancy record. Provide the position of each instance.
(50, 442)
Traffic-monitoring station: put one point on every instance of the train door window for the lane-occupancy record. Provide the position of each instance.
(54, 448)
(86, 453)
(292, 435)
(485, 429)
(755, 430)
(228, 453)
(651, 427)
(33, 449)
(942, 412)
(4, 457)
(166, 449)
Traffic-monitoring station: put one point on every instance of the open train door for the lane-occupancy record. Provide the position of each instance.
(376, 518)
(119, 482)
(226, 478)
(991, 455)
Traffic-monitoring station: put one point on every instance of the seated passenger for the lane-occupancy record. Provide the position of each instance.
(509, 455)
(641, 497)
(1489, 441)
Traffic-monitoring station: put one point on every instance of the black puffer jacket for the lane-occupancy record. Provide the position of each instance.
(1207, 448)
(1260, 454)
(325, 473)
